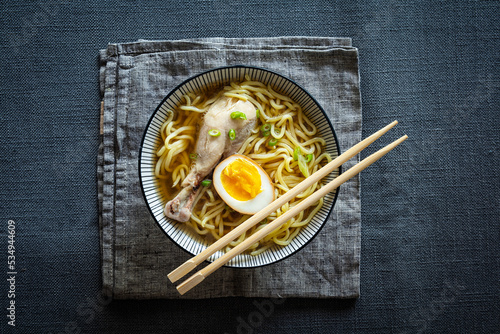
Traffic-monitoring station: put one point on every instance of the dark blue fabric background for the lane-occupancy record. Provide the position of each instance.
(430, 209)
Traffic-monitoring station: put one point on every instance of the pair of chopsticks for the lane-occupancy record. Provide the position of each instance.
(198, 277)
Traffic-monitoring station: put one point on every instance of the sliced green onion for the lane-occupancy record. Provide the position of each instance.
(272, 142)
(266, 127)
(206, 183)
(265, 130)
(296, 153)
(193, 156)
(214, 133)
(257, 112)
(263, 221)
(232, 134)
(238, 114)
(303, 166)
(309, 157)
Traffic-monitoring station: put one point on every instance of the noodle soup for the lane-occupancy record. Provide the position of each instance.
(279, 101)
(284, 142)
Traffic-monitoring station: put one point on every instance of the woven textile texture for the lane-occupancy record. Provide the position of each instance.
(134, 79)
(429, 209)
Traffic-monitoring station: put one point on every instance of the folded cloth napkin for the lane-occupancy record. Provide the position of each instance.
(136, 254)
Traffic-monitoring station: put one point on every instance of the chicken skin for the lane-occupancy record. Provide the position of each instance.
(210, 149)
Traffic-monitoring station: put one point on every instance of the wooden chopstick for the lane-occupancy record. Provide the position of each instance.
(190, 264)
(194, 280)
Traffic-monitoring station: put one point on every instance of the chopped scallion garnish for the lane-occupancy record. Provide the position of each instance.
(272, 142)
(214, 133)
(296, 153)
(303, 166)
(265, 130)
(238, 114)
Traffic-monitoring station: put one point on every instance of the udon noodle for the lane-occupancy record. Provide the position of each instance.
(211, 217)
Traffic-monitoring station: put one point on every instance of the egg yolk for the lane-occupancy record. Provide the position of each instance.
(241, 180)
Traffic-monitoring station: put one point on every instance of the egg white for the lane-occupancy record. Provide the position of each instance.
(254, 205)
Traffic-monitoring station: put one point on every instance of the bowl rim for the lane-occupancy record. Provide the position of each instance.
(193, 77)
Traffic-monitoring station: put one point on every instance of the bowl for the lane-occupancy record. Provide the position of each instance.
(182, 234)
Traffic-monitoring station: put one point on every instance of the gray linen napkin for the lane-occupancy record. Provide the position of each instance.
(136, 254)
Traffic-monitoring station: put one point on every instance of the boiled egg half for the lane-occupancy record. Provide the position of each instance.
(243, 184)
